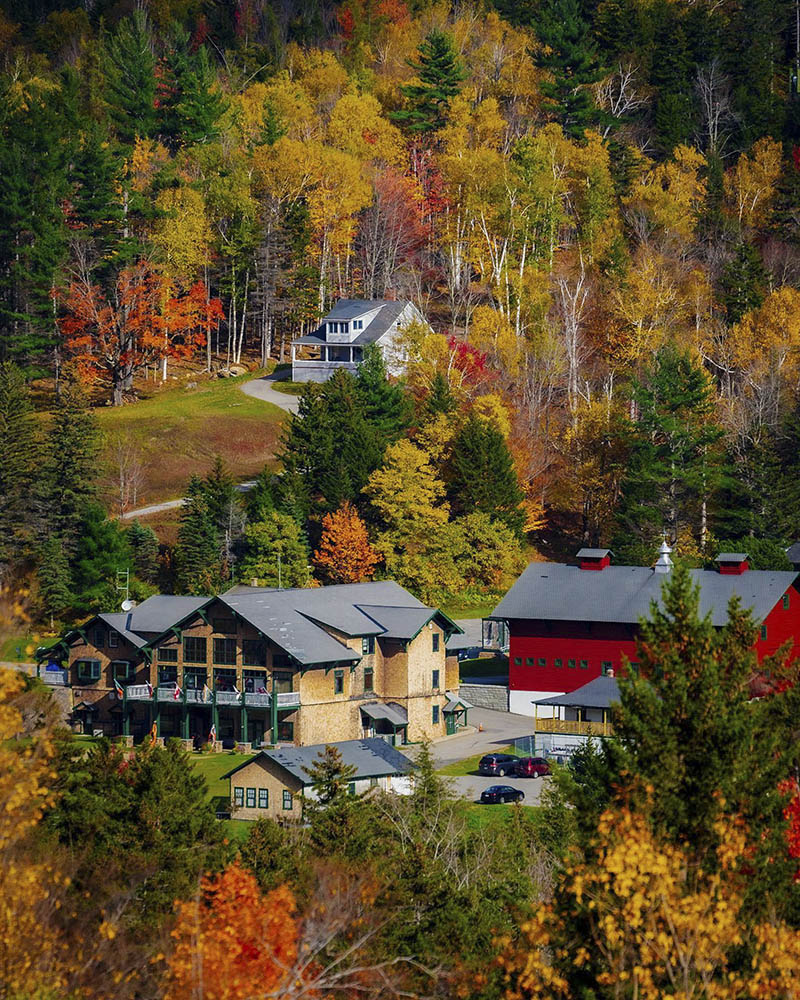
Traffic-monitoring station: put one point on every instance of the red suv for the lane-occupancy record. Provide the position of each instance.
(532, 767)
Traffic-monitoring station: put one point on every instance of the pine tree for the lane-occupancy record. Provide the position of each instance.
(567, 52)
(201, 105)
(333, 813)
(670, 74)
(276, 553)
(441, 74)
(743, 282)
(67, 482)
(18, 433)
(386, 406)
(54, 579)
(220, 493)
(144, 546)
(262, 498)
(197, 552)
(95, 199)
(482, 477)
(101, 552)
(131, 79)
(440, 399)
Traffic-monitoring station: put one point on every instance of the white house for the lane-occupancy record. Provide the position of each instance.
(339, 340)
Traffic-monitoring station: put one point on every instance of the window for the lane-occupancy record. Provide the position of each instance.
(224, 625)
(571, 664)
(224, 680)
(287, 799)
(286, 732)
(435, 680)
(255, 681)
(88, 671)
(558, 662)
(584, 664)
(369, 679)
(167, 654)
(785, 601)
(517, 661)
(351, 788)
(435, 715)
(254, 653)
(606, 667)
(542, 661)
(194, 679)
(167, 675)
(263, 798)
(528, 661)
(99, 637)
(763, 631)
(251, 798)
(282, 682)
(367, 645)
(121, 670)
(113, 639)
(373, 782)
(435, 638)
(194, 649)
(338, 682)
(238, 797)
(224, 651)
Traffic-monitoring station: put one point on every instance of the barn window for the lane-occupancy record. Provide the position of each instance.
(528, 661)
(606, 667)
(763, 631)
(785, 602)
(584, 664)
(542, 661)
(558, 662)
(517, 661)
(571, 664)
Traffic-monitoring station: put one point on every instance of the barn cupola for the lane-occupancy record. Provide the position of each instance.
(732, 563)
(594, 558)
(663, 563)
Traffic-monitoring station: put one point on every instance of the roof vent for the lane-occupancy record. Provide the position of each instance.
(663, 563)
(594, 558)
(732, 563)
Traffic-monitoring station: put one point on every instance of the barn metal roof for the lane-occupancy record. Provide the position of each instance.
(623, 594)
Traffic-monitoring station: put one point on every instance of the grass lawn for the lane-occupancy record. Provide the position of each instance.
(213, 765)
(489, 666)
(471, 605)
(290, 388)
(8, 648)
(237, 830)
(470, 764)
(178, 431)
(495, 819)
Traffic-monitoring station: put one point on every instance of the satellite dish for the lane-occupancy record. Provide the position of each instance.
(128, 605)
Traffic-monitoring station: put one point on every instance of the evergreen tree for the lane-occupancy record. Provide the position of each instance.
(676, 466)
(333, 813)
(743, 282)
(274, 125)
(95, 199)
(101, 553)
(54, 580)
(441, 74)
(202, 105)
(131, 79)
(144, 547)
(276, 553)
(386, 406)
(220, 493)
(70, 465)
(18, 433)
(440, 399)
(567, 52)
(670, 73)
(482, 477)
(262, 498)
(762, 553)
(197, 552)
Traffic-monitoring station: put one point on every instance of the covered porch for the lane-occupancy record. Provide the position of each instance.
(586, 711)
(455, 713)
(315, 360)
(389, 721)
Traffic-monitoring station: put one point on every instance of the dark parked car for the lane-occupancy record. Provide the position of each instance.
(502, 793)
(531, 767)
(500, 764)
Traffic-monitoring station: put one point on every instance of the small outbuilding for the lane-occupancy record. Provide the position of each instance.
(275, 782)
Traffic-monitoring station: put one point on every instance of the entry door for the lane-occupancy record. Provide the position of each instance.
(450, 723)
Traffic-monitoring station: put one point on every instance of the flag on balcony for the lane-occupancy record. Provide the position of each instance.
(261, 689)
(236, 691)
(149, 689)
(206, 692)
(178, 692)
(118, 688)
(212, 736)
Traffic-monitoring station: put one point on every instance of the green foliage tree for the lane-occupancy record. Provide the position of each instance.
(762, 553)
(67, 482)
(96, 202)
(441, 73)
(130, 72)
(101, 552)
(54, 580)
(675, 469)
(276, 553)
(197, 552)
(144, 822)
(332, 812)
(482, 477)
(568, 53)
(18, 432)
(386, 406)
(144, 547)
(440, 398)
(275, 854)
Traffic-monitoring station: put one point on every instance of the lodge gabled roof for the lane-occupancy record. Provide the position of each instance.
(623, 594)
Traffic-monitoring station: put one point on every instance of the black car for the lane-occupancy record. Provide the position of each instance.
(502, 793)
(500, 764)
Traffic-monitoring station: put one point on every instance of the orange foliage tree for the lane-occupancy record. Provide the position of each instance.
(231, 942)
(344, 554)
(141, 323)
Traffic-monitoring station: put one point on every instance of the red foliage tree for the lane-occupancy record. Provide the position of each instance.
(141, 323)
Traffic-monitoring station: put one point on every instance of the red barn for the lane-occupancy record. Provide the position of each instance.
(570, 624)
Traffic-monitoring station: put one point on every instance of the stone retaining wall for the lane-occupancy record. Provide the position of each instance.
(494, 696)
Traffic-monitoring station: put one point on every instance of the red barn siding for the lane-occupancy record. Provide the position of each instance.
(599, 642)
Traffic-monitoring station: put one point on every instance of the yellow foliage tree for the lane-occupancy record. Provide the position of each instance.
(750, 186)
(671, 194)
(184, 236)
(770, 335)
(357, 126)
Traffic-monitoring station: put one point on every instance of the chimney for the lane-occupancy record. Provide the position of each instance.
(596, 559)
(732, 563)
(663, 563)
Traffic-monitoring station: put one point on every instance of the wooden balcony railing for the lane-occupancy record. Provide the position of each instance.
(574, 727)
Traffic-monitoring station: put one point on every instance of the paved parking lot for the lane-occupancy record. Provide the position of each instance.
(499, 730)
(471, 786)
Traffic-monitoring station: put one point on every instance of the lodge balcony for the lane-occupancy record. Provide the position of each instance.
(194, 696)
(574, 727)
(58, 678)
